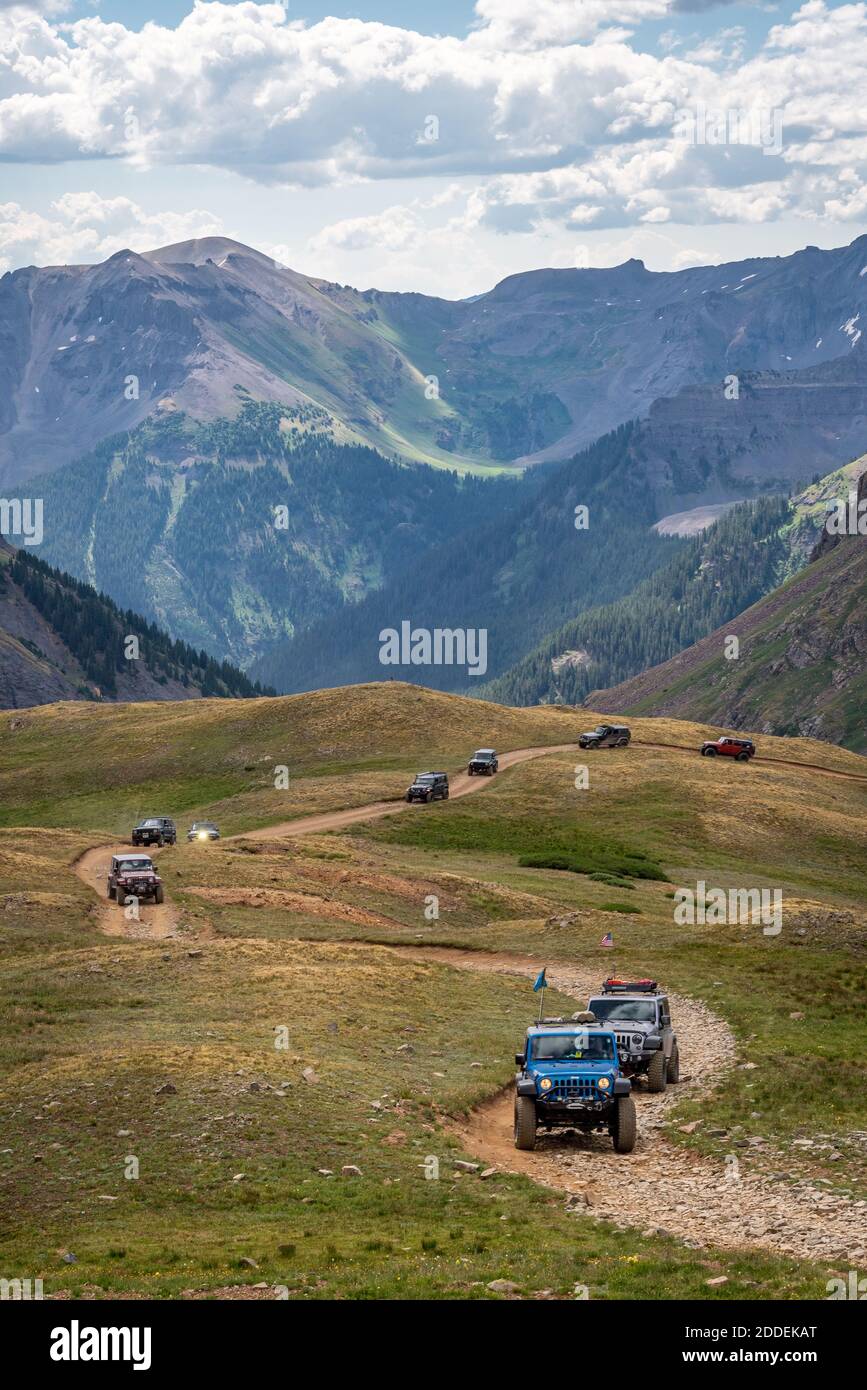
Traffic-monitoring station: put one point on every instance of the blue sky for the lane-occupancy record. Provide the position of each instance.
(438, 148)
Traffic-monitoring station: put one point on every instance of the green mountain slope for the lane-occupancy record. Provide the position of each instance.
(802, 663)
(515, 574)
(61, 640)
(716, 574)
(178, 521)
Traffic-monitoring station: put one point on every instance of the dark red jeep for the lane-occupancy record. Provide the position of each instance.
(727, 747)
(133, 876)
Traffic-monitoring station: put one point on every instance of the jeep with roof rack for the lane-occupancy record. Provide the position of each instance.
(569, 1077)
(639, 1014)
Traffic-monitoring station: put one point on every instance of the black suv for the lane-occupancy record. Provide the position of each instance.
(484, 763)
(639, 1016)
(606, 736)
(429, 786)
(157, 830)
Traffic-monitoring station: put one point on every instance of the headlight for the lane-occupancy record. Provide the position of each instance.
(203, 834)
(603, 1083)
(637, 1040)
(545, 1083)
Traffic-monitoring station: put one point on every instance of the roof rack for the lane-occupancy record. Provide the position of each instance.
(617, 986)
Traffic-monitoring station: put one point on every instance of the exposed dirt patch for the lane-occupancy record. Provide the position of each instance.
(293, 902)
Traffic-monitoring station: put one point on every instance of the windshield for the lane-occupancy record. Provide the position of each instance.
(203, 825)
(573, 1047)
(149, 825)
(483, 753)
(424, 777)
(131, 866)
(636, 1010)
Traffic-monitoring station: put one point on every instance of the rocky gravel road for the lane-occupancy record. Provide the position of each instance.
(662, 1188)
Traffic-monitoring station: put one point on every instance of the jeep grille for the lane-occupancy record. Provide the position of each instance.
(572, 1088)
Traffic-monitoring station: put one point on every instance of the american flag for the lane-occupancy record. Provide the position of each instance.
(607, 940)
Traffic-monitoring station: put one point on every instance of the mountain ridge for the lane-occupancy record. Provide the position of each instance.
(532, 370)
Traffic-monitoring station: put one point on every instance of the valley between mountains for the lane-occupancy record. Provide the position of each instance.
(262, 471)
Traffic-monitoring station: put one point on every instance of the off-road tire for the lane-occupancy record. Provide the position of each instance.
(159, 893)
(656, 1073)
(672, 1071)
(445, 796)
(120, 897)
(742, 758)
(708, 752)
(624, 1125)
(109, 890)
(471, 772)
(428, 798)
(525, 1122)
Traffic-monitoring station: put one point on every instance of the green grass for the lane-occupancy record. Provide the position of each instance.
(94, 1026)
(81, 1100)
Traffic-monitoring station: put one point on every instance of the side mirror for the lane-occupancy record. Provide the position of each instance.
(519, 1059)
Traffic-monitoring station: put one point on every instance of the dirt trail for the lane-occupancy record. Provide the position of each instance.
(459, 785)
(660, 1186)
(156, 920)
(462, 785)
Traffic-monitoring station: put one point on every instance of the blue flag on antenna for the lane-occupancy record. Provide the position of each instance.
(541, 982)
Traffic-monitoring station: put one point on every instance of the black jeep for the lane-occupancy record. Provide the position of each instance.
(157, 830)
(429, 786)
(484, 763)
(606, 736)
(133, 876)
(639, 1015)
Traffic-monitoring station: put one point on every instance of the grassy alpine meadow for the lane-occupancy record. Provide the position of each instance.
(263, 1097)
(268, 1113)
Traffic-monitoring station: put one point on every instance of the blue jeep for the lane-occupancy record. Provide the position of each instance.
(569, 1078)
